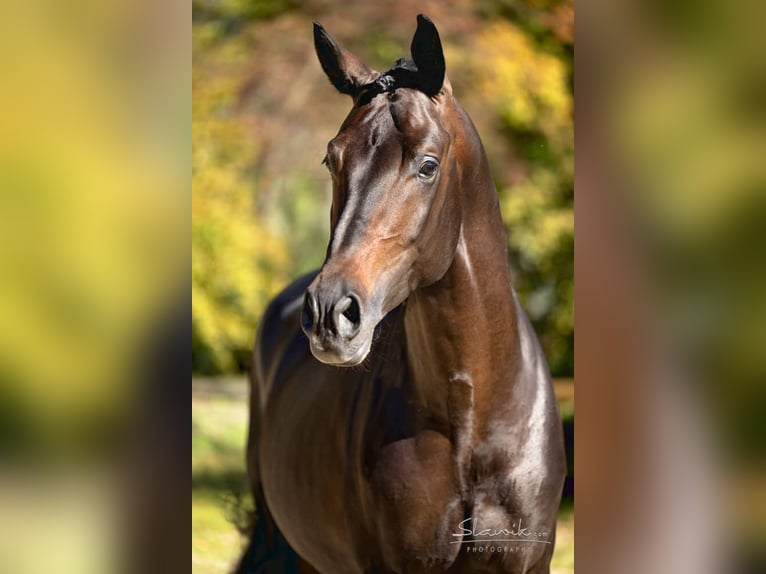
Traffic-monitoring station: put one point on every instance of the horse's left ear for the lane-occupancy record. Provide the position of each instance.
(428, 56)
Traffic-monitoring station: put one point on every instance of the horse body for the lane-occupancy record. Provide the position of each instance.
(441, 411)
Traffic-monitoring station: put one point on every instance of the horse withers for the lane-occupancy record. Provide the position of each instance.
(402, 414)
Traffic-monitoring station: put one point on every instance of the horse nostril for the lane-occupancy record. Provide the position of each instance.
(352, 313)
(307, 316)
(348, 316)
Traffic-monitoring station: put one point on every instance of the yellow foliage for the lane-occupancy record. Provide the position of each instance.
(536, 224)
(526, 86)
(528, 89)
(237, 264)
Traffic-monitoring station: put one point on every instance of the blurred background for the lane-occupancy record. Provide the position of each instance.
(95, 110)
(671, 215)
(94, 203)
(263, 112)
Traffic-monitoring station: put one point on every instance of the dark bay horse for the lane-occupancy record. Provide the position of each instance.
(402, 414)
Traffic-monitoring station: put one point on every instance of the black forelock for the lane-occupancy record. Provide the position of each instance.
(404, 74)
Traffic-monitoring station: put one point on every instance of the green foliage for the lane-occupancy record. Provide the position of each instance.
(540, 224)
(300, 215)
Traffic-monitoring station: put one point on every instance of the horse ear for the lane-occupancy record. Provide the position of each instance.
(428, 56)
(346, 72)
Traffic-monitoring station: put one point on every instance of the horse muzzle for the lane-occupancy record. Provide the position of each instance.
(336, 325)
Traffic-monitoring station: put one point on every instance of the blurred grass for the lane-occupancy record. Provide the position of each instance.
(563, 556)
(219, 428)
(215, 542)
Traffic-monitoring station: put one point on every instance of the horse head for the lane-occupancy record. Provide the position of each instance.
(396, 210)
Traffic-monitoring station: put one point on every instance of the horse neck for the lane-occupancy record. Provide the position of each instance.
(463, 331)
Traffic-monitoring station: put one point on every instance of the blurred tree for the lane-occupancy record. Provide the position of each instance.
(528, 88)
(237, 264)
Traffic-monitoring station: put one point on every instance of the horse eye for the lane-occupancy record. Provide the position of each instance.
(428, 168)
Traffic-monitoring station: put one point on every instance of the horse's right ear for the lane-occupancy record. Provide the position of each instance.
(346, 72)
